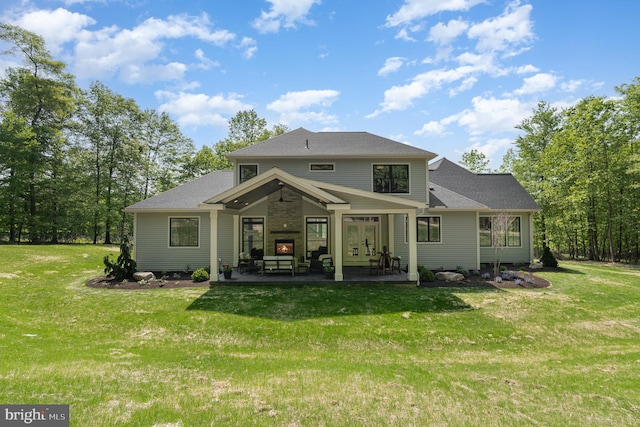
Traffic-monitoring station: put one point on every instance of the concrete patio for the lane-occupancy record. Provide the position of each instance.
(351, 275)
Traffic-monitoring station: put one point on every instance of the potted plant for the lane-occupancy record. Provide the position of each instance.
(227, 270)
(328, 271)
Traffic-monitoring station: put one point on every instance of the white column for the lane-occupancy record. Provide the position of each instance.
(413, 245)
(391, 219)
(337, 256)
(213, 246)
(236, 239)
(531, 237)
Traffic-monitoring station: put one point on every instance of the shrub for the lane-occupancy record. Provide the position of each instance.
(200, 275)
(425, 274)
(461, 270)
(547, 259)
(124, 267)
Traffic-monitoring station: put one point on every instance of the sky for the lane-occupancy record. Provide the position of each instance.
(447, 76)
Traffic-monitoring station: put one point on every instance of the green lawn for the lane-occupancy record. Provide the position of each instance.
(332, 355)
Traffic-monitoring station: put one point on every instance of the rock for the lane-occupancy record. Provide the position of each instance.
(535, 266)
(143, 275)
(449, 276)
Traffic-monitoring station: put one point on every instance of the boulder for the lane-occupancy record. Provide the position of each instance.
(143, 275)
(449, 276)
(535, 266)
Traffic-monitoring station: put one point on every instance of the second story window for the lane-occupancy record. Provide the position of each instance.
(391, 178)
(247, 172)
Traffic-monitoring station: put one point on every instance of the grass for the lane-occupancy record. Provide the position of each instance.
(331, 355)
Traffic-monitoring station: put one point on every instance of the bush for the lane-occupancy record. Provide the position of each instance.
(461, 270)
(548, 260)
(425, 274)
(124, 267)
(200, 275)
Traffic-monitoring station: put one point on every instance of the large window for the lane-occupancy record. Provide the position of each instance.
(183, 232)
(429, 229)
(500, 230)
(391, 178)
(253, 237)
(247, 172)
(317, 234)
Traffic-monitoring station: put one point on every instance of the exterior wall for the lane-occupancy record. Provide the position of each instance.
(355, 173)
(458, 245)
(152, 251)
(513, 255)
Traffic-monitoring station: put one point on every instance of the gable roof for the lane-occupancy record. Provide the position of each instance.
(301, 143)
(187, 196)
(494, 191)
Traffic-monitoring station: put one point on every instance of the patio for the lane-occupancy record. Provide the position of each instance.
(351, 275)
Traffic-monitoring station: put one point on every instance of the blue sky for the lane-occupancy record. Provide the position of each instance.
(444, 75)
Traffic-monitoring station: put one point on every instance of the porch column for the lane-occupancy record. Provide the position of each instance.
(412, 274)
(236, 239)
(531, 230)
(213, 246)
(337, 253)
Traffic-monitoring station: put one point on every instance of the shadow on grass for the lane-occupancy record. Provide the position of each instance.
(298, 302)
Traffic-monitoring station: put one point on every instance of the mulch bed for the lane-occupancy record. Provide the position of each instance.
(183, 280)
(173, 280)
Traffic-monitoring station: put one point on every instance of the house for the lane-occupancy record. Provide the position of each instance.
(352, 195)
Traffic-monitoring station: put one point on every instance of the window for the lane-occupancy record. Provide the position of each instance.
(253, 237)
(183, 232)
(247, 172)
(317, 230)
(321, 167)
(507, 228)
(391, 178)
(428, 229)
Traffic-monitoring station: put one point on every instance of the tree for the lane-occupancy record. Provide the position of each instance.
(475, 161)
(245, 129)
(42, 95)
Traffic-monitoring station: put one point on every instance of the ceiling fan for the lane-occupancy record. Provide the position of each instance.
(281, 199)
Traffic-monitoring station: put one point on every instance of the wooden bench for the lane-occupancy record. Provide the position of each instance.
(278, 264)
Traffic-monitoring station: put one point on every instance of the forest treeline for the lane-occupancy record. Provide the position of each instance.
(72, 159)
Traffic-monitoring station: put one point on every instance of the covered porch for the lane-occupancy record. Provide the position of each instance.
(350, 275)
(360, 226)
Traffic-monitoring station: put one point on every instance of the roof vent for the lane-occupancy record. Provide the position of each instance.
(306, 144)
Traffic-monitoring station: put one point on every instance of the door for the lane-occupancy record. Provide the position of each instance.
(361, 239)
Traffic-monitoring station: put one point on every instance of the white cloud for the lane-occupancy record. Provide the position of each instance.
(204, 62)
(413, 10)
(148, 74)
(292, 105)
(466, 85)
(249, 47)
(491, 115)
(527, 69)
(112, 50)
(199, 109)
(284, 13)
(431, 128)
(571, 85)
(403, 34)
(401, 97)
(537, 83)
(444, 34)
(391, 65)
(490, 147)
(57, 27)
(503, 33)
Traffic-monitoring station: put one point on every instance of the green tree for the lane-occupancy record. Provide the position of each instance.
(42, 94)
(475, 161)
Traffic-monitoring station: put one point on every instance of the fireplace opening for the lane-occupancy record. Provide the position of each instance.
(285, 247)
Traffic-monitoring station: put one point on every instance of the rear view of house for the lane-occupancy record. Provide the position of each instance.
(350, 195)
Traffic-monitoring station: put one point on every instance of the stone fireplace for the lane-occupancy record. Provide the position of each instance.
(285, 247)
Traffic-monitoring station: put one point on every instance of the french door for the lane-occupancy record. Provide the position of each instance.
(360, 239)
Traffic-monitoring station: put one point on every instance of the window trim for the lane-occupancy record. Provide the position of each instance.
(429, 242)
(264, 230)
(311, 165)
(240, 165)
(407, 164)
(306, 222)
(172, 217)
(507, 246)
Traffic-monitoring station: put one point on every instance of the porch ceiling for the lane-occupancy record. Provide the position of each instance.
(243, 199)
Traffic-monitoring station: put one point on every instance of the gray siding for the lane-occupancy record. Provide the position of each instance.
(152, 251)
(512, 255)
(355, 173)
(458, 246)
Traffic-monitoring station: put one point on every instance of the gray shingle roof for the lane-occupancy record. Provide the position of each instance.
(495, 191)
(189, 195)
(303, 143)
